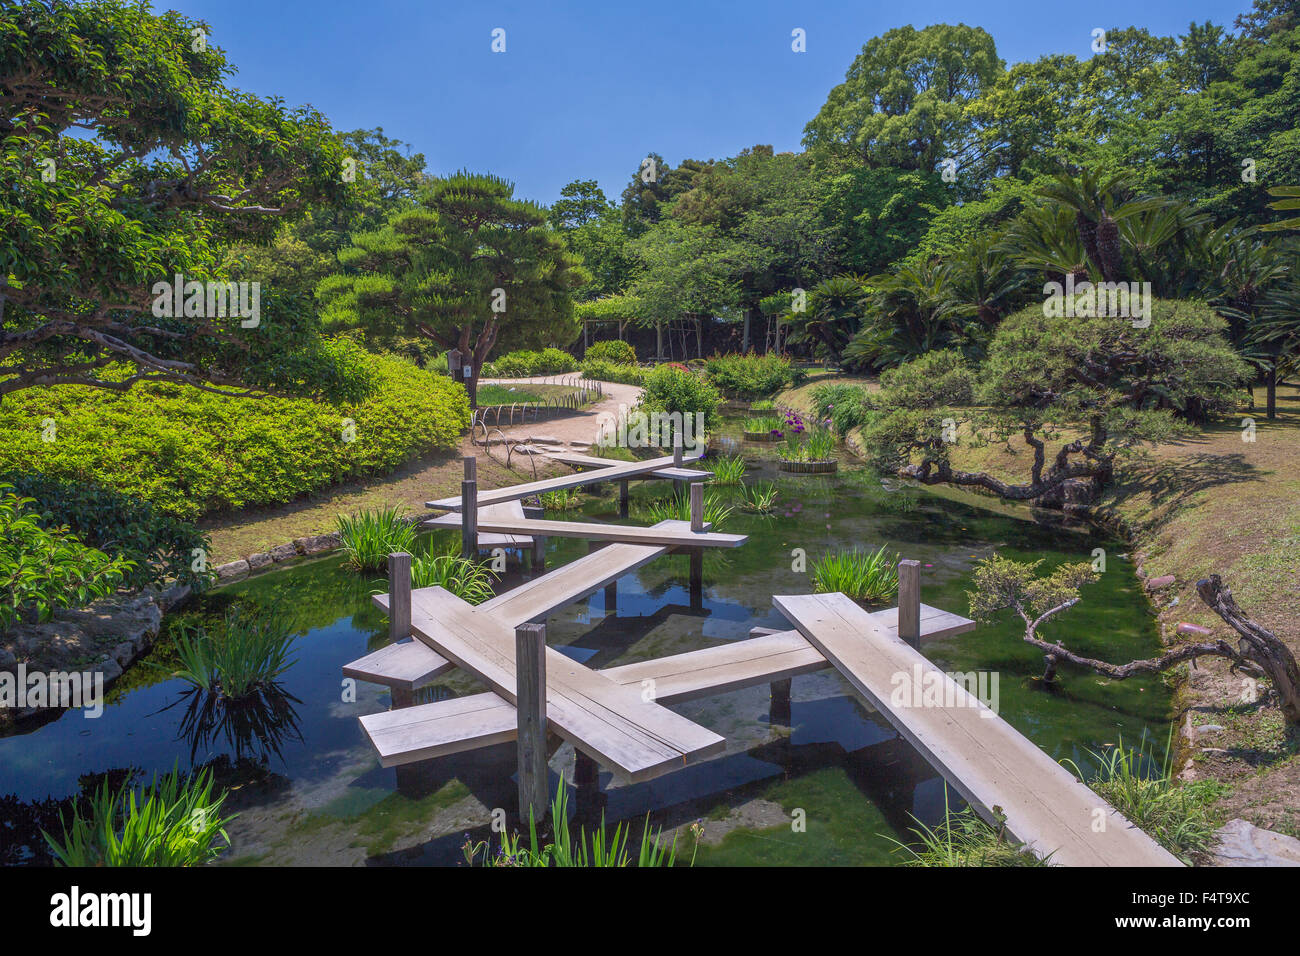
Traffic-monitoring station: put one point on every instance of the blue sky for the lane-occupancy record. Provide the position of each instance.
(586, 89)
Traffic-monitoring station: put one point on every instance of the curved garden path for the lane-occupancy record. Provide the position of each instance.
(576, 430)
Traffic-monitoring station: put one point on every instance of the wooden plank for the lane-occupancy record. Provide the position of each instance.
(982, 756)
(680, 474)
(534, 599)
(513, 492)
(406, 666)
(452, 726)
(593, 531)
(480, 720)
(637, 738)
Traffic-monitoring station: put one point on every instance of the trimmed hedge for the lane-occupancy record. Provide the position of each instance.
(603, 371)
(191, 452)
(612, 350)
(525, 363)
(751, 375)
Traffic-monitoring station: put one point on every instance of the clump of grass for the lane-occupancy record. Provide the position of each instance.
(174, 822)
(762, 405)
(768, 424)
(728, 471)
(561, 499)
(1179, 818)
(862, 575)
(759, 498)
(369, 537)
(244, 657)
(678, 507)
(808, 444)
(963, 839)
(600, 849)
(468, 580)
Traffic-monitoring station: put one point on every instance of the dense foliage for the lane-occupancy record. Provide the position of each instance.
(42, 570)
(752, 375)
(612, 350)
(160, 546)
(190, 452)
(671, 389)
(525, 363)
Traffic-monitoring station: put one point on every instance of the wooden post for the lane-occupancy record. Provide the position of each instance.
(469, 510)
(622, 498)
(539, 554)
(909, 602)
(677, 450)
(697, 506)
(399, 596)
(697, 578)
(530, 710)
(779, 712)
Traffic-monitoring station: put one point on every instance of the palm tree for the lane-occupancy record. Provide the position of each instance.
(985, 283)
(831, 316)
(911, 311)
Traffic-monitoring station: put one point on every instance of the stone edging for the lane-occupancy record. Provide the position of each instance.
(289, 551)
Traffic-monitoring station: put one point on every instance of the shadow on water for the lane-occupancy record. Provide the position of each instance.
(830, 783)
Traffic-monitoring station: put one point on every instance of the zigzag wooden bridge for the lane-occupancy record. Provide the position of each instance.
(618, 717)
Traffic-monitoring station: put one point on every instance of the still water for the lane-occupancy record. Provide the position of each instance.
(308, 789)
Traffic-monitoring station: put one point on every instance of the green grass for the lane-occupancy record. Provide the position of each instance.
(506, 395)
(759, 498)
(561, 499)
(468, 580)
(678, 507)
(728, 471)
(599, 849)
(174, 822)
(815, 444)
(862, 575)
(249, 652)
(1178, 817)
(963, 839)
(763, 423)
(763, 405)
(369, 537)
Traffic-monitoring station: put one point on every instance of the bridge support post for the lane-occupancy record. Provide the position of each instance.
(909, 602)
(779, 712)
(539, 554)
(622, 498)
(697, 578)
(697, 506)
(469, 510)
(399, 614)
(530, 709)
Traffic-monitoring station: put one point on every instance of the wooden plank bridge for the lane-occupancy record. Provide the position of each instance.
(618, 717)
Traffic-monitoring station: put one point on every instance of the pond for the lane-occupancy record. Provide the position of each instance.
(836, 786)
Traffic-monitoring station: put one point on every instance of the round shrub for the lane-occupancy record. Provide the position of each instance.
(671, 389)
(614, 350)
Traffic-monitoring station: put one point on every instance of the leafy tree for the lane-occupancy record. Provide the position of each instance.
(904, 99)
(654, 185)
(176, 164)
(471, 265)
(593, 229)
(1109, 384)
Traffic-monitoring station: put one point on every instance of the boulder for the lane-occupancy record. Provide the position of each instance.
(1156, 584)
(257, 562)
(283, 552)
(1244, 844)
(317, 544)
(232, 571)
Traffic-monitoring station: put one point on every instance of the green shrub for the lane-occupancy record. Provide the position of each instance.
(191, 452)
(603, 371)
(752, 375)
(247, 654)
(161, 546)
(846, 406)
(43, 569)
(932, 380)
(862, 575)
(670, 389)
(614, 350)
(369, 537)
(174, 822)
(526, 363)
